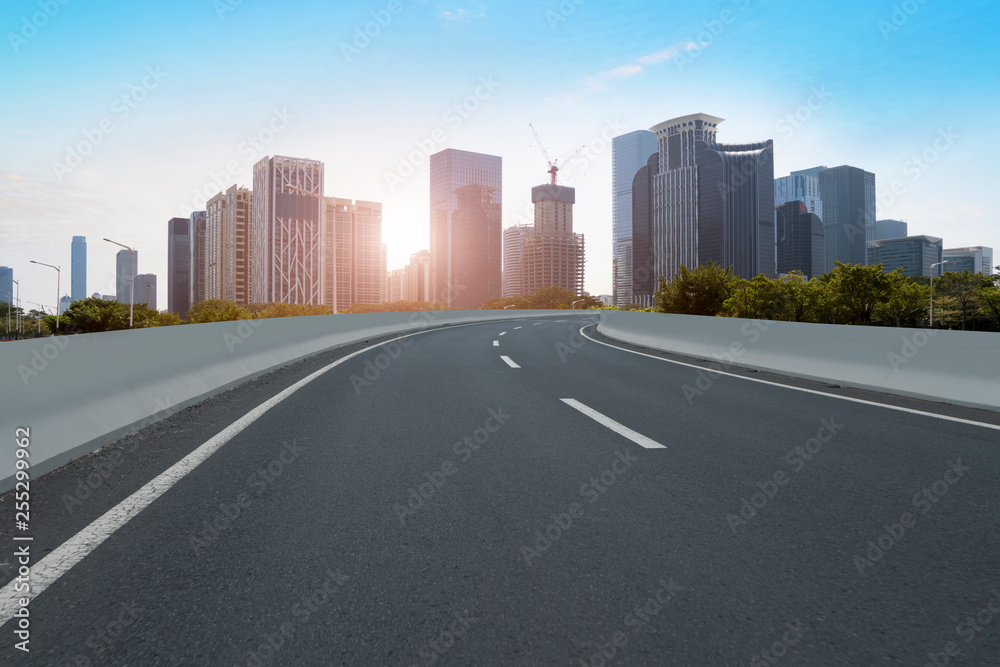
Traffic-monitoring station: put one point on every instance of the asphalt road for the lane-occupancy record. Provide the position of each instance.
(433, 502)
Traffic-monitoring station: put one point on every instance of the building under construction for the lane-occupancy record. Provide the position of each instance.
(552, 255)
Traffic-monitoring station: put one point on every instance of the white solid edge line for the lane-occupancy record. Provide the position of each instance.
(802, 389)
(496, 343)
(510, 362)
(47, 571)
(620, 429)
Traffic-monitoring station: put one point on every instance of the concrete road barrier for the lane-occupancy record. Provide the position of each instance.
(957, 367)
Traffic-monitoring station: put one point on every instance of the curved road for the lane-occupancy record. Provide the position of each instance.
(515, 493)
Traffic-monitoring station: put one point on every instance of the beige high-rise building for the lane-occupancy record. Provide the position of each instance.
(513, 259)
(396, 281)
(226, 263)
(288, 246)
(417, 285)
(552, 254)
(354, 253)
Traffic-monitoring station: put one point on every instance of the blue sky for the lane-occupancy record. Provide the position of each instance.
(873, 84)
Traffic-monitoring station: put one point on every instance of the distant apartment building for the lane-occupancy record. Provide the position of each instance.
(64, 303)
(286, 232)
(890, 229)
(396, 280)
(211, 268)
(417, 277)
(126, 270)
(78, 289)
(913, 254)
(552, 255)
(801, 240)
(712, 202)
(179, 266)
(629, 153)
(513, 259)
(466, 200)
(974, 259)
(145, 290)
(848, 195)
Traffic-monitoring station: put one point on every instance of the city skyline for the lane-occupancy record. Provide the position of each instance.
(894, 96)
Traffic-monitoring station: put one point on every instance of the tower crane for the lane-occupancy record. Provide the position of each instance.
(553, 166)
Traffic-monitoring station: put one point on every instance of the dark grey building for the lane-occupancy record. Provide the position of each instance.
(712, 202)
(848, 196)
(974, 259)
(466, 199)
(801, 240)
(145, 290)
(629, 153)
(890, 229)
(199, 251)
(913, 254)
(179, 266)
(644, 277)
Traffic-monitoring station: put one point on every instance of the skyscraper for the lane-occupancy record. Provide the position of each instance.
(199, 254)
(417, 277)
(466, 199)
(226, 258)
(712, 201)
(513, 259)
(126, 271)
(179, 266)
(640, 258)
(78, 289)
(629, 153)
(553, 256)
(913, 254)
(145, 290)
(801, 240)
(286, 231)
(211, 268)
(848, 195)
(890, 229)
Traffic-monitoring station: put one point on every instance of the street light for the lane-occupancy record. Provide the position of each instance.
(573, 306)
(58, 278)
(131, 288)
(932, 290)
(8, 312)
(18, 322)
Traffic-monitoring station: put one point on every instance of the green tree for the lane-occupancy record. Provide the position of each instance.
(860, 289)
(906, 305)
(216, 310)
(699, 291)
(92, 315)
(965, 288)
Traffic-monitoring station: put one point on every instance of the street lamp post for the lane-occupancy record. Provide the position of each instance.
(8, 312)
(932, 290)
(131, 289)
(17, 322)
(58, 278)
